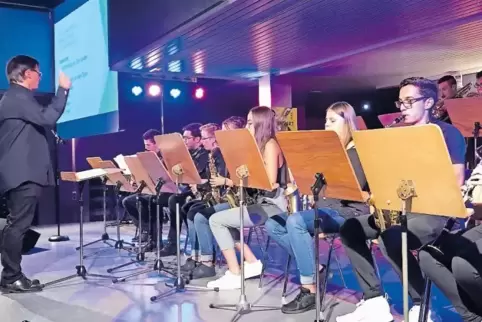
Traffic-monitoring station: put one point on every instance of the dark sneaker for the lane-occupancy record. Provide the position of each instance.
(203, 271)
(303, 302)
(189, 265)
(169, 250)
(22, 285)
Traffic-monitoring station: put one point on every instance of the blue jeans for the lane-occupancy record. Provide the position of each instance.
(200, 233)
(294, 233)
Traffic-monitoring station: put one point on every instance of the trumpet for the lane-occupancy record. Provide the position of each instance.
(439, 112)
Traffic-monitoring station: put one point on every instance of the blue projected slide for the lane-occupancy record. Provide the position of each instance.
(81, 52)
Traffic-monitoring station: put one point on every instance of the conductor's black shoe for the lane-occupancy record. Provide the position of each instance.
(22, 285)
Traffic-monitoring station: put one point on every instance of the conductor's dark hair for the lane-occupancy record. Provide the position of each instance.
(426, 87)
(194, 128)
(447, 78)
(478, 75)
(18, 65)
(150, 134)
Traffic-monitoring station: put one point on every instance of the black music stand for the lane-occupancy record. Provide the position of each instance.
(80, 178)
(320, 165)
(399, 165)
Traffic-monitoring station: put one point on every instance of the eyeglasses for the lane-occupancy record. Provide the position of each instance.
(408, 102)
(207, 138)
(38, 72)
(185, 138)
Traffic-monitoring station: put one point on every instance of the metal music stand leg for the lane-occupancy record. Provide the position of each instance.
(105, 238)
(141, 254)
(405, 192)
(179, 284)
(316, 188)
(243, 306)
(158, 264)
(119, 244)
(81, 271)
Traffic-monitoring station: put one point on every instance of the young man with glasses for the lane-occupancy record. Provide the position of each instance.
(192, 138)
(416, 98)
(25, 164)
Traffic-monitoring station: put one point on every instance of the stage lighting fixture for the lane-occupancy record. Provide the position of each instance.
(175, 93)
(137, 90)
(199, 93)
(154, 90)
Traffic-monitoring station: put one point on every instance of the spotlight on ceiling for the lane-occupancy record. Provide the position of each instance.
(137, 90)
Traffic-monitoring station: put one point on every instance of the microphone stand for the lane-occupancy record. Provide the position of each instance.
(58, 237)
(476, 133)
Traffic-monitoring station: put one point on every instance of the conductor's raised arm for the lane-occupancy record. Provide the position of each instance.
(31, 111)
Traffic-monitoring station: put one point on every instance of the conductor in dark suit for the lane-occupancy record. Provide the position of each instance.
(25, 165)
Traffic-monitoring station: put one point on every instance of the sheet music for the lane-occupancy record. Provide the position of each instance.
(121, 163)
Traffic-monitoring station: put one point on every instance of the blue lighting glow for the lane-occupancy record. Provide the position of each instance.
(175, 92)
(137, 90)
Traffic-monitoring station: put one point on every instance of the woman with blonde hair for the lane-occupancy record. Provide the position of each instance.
(294, 232)
(262, 125)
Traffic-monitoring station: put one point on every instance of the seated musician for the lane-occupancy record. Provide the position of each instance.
(478, 83)
(130, 202)
(416, 98)
(455, 263)
(201, 263)
(456, 268)
(192, 139)
(294, 232)
(262, 125)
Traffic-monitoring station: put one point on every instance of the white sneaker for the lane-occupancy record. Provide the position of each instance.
(228, 281)
(252, 269)
(415, 312)
(373, 310)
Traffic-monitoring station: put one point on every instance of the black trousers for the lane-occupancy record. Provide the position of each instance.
(130, 205)
(455, 267)
(22, 202)
(181, 200)
(356, 231)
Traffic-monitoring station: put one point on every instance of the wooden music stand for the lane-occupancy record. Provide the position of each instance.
(243, 159)
(360, 123)
(81, 178)
(466, 116)
(399, 165)
(315, 156)
(389, 119)
(183, 171)
(156, 170)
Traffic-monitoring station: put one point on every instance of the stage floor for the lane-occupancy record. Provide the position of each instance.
(100, 300)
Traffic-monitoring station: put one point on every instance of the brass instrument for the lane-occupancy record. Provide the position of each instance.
(384, 219)
(396, 121)
(231, 197)
(293, 197)
(212, 197)
(439, 112)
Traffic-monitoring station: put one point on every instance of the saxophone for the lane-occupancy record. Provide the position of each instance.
(213, 197)
(439, 112)
(384, 219)
(282, 119)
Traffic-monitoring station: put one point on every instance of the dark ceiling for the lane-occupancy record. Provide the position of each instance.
(50, 4)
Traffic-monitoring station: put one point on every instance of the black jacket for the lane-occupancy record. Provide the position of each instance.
(24, 151)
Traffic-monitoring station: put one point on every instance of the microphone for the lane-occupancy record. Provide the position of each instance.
(396, 121)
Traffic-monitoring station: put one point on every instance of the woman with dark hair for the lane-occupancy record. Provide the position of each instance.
(262, 125)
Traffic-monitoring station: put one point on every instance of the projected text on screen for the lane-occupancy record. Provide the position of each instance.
(81, 51)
